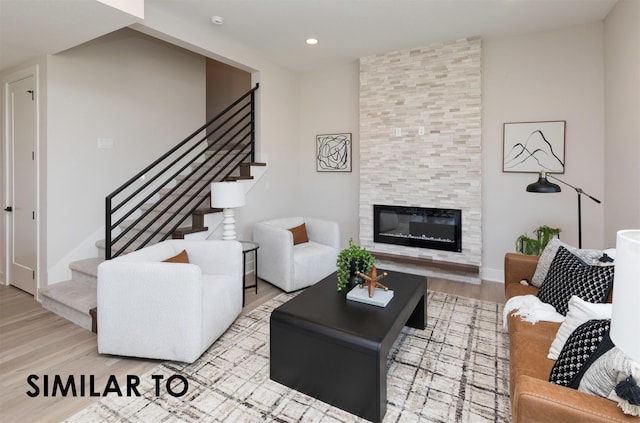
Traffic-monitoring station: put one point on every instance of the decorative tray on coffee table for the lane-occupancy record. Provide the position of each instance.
(380, 297)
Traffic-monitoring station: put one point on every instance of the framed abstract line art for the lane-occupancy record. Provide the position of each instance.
(534, 147)
(333, 152)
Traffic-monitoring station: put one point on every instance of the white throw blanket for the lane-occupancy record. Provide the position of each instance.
(530, 309)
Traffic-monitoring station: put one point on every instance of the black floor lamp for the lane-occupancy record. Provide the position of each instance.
(544, 186)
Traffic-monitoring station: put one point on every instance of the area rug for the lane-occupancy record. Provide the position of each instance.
(456, 370)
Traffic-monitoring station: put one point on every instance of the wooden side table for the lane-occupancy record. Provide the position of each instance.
(247, 247)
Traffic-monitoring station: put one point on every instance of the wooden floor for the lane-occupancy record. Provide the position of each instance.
(486, 291)
(34, 341)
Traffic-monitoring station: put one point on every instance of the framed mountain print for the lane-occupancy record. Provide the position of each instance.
(534, 147)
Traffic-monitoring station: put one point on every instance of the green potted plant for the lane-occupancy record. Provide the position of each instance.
(351, 260)
(535, 246)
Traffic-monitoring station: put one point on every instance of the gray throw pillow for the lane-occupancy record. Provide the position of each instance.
(601, 377)
(590, 257)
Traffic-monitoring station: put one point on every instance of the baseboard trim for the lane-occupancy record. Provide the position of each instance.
(493, 275)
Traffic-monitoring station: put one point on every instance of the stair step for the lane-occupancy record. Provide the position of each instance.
(245, 174)
(153, 214)
(72, 300)
(208, 211)
(121, 242)
(181, 232)
(159, 206)
(169, 198)
(182, 190)
(245, 168)
(197, 219)
(86, 270)
(157, 220)
(201, 173)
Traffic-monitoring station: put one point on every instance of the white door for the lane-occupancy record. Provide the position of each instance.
(21, 188)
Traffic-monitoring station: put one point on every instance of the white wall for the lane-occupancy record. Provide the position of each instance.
(142, 93)
(545, 76)
(622, 119)
(276, 194)
(556, 75)
(329, 105)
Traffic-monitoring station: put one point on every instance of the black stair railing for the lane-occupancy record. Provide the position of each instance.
(155, 202)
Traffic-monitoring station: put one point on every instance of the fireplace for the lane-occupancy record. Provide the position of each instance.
(438, 229)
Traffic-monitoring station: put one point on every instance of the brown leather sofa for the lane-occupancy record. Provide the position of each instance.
(533, 397)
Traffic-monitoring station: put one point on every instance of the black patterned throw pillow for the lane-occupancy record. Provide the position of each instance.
(568, 276)
(577, 350)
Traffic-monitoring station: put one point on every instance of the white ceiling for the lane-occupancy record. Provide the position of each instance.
(32, 28)
(347, 29)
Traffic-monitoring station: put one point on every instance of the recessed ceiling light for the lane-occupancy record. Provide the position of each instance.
(312, 41)
(218, 20)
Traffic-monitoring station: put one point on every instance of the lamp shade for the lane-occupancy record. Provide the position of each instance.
(625, 316)
(227, 195)
(543, 185)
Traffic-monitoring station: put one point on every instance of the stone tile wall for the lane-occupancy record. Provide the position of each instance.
(439, 88)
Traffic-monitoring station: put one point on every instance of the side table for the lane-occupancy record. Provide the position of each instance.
(247, 247)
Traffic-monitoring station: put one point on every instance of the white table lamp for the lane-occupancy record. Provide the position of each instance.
(227, 196)
(625, 316)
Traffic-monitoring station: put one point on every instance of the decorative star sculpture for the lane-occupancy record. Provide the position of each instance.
(371, 280)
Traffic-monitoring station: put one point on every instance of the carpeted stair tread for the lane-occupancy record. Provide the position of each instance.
(72, 300)
(132, 225)
(77, 295)
(101, 244)
(160, 206)
(120, 243)
(87, 267)
(202, 173)
(197, 189)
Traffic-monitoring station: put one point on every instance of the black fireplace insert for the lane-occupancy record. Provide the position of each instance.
(434, 228)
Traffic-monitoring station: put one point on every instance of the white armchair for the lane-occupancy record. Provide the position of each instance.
(292, 267)
(172, 311)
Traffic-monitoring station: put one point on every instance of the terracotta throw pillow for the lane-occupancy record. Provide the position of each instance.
(181, 257)
(299, 234)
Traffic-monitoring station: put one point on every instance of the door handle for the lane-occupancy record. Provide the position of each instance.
(8, 209)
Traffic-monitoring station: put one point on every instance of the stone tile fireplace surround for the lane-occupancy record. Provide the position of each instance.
(437, 88)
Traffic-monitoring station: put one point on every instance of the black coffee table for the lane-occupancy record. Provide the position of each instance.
(335, 350)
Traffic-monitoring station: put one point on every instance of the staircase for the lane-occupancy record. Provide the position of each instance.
(168, 199)
(72, 299)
